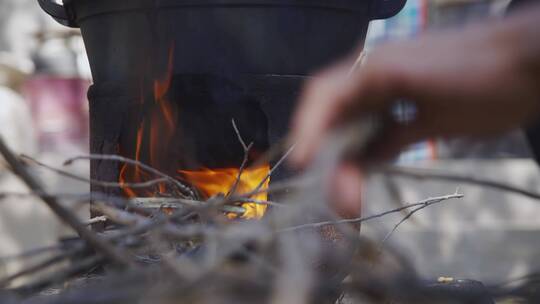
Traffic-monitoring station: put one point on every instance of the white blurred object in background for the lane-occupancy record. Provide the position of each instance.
(16, 125)
(16, 122)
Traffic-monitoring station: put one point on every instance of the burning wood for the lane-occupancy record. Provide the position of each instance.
(215, 182)
(158, 129)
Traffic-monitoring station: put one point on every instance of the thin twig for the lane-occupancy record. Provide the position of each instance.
(161, 202)
(279, 162)
(406, 217)
(94, 181)
(260, 202)
(59, 276)
(108, 157)
(97, 219)
(240, 139)
(280, 186)
(240, 171)
(428, 201)
(32, 252)
(35, 268)
(247, 149)
(61, 212)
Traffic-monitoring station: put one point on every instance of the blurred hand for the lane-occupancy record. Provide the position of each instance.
(345, 192)
(476, 81)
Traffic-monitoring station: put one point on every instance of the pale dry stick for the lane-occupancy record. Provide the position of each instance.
(118, 216)
(246, 148)
(115, 215)
(240, 139)
(278, 163)
(294, 281)
(406, 217)
(423, 174)
(159, 202)
(75, 250)
(190, 203)
(94, 181)
(240, 171)
(141, 223)
(85, 198)
(275, 151)
(61, 212)
(185, 268)
(428, 201)
(259, 202)
(56, 195)
(63, 195)
(118, 158)
(36, 268)
(158, 222)
(60, 276)
(188, 232)
(94, 220)
(133, 220)
(32, 252)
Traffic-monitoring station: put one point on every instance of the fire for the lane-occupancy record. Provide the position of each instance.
(220, 181)
(157, 130)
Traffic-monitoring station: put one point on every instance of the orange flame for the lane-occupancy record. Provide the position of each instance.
(220, 181)
(155, 133)
(161, 87)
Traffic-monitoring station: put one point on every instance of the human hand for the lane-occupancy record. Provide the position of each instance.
(475, 82)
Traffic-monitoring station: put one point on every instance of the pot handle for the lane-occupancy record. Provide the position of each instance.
(382, 9)
(58, 12)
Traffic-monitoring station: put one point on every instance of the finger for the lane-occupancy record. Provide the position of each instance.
(345, 192)
(319, 106)
(325, 103)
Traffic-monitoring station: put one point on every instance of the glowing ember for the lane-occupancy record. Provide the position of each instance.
(220, 181)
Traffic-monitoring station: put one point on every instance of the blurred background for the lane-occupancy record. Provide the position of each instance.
(489, 235)
(44, 77)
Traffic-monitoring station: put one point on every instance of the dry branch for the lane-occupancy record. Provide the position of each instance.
(146, 184)
(423, 203)
(247, 149)
(417, 208)
(273, 169)
(97, 219)
(61, 212)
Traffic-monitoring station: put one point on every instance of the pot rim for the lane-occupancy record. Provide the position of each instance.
(79, 10)
(73, 11)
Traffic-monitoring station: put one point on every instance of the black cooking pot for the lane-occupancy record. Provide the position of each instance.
(288, 37)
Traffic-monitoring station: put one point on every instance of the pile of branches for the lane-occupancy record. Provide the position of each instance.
(300, 252)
